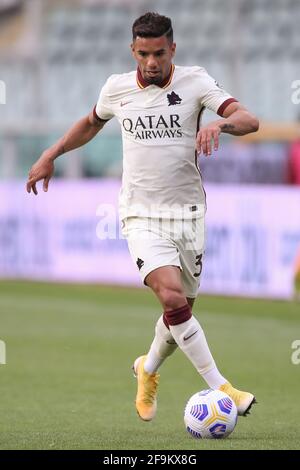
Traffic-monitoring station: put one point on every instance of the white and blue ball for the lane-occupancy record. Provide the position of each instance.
(210, 414)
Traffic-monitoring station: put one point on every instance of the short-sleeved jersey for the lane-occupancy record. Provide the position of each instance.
(159, 124)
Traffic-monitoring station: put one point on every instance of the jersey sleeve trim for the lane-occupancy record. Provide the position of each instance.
(99, 119)
(225, 104)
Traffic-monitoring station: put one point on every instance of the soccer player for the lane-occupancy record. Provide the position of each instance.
(162, 200)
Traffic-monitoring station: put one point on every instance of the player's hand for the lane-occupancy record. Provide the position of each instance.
(43, 169)
(207, 137)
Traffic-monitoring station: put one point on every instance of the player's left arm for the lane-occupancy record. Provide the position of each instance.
(237, 120)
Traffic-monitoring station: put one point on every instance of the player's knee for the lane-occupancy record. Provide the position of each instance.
(171, 298)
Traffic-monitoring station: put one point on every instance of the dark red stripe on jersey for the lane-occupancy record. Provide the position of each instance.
(199, 118)
(99, 119)
(225, 104)
(178, 315)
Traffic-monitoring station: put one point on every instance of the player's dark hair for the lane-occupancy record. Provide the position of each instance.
(152, 25)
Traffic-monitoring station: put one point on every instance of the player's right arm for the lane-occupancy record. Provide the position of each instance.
(79, 134)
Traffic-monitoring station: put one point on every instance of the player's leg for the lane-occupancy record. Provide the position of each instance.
(191, 262)
(149, 250)
(145, 370)
(163, 344)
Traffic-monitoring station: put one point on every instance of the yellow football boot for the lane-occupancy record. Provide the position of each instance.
(146, 392)
(243, 400)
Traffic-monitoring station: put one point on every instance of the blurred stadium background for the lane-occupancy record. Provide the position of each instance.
(56, 55)
(54, 58)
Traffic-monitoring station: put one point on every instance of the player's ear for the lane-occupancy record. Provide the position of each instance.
(132, 50)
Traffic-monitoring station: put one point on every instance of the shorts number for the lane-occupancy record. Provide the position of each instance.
(198, 263)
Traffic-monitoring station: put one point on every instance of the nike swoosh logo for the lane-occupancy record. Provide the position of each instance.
(188, 337)
(123, 103)
(171, 342)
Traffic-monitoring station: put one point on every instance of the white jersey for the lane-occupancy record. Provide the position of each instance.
(159, 126)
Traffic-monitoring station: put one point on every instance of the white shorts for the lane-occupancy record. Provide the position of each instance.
(154, 243)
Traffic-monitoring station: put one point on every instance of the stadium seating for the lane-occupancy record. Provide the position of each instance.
(76, 35)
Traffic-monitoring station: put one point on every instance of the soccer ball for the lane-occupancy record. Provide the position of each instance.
(210, 414)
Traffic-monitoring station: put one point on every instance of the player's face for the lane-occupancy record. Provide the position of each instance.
(154, 57)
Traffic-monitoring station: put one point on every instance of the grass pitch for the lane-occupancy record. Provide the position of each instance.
(68, 384)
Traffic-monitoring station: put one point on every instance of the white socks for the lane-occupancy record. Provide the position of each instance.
(162, 346)
(191, 339)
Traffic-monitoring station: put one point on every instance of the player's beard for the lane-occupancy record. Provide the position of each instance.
(154, 80)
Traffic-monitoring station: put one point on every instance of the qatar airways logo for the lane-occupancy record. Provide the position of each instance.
(153, 127)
